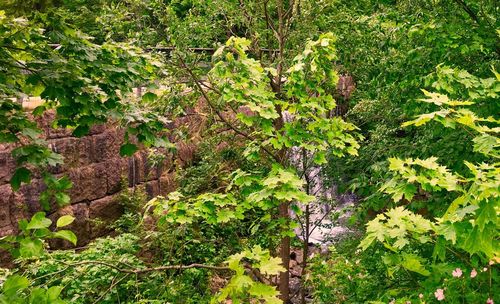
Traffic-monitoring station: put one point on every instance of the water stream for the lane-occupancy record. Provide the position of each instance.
(328, 215)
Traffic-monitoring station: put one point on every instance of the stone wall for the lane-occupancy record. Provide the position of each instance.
(96, 169)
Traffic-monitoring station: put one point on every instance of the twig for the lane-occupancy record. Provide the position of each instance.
(221, 117)
(269, 23)
(144, 270)
(113, 284)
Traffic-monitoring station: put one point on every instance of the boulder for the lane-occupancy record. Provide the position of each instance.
(76, 152)
(116, 169)
(106, 145)
(102, 213)
(89, 182)
(7, 165)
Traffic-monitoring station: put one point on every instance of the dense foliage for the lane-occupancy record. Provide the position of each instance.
(396, 102)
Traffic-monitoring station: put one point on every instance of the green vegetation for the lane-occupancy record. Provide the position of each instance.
(396, 102)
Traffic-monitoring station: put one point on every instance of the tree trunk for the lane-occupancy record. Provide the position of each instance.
(306, 232)
(284, 287)
(305, 253)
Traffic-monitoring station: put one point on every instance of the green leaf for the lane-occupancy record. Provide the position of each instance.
(66, 235)
(486, 143)
(413, 263)
(39, 221)
(41, 233)
(128, 149)
(81, 130)
(62, 198)
(30, 248)
(31, 133)
(38, 295)
(262, 290)
(14, 284)
(367, 241)
(225, 215)
(447, 230)
(149, 97)
(64, 220)
(39, 110)
(480, 241)
(486, 214)
(54, 292)
(63, 183)
(271, 266)
(21, 175)
(439, 251)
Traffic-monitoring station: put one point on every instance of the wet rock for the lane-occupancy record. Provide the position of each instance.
(137, 169)
(167, 183)
(93, 164)
(6, 260)
(98, 129)
(5, 194)
(185, 153)
(116, 170)
(45, 122)
(31, 195)
(153, 189)
(295, 286)
(18, 209)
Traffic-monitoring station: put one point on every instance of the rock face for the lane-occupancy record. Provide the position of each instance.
(96, 169)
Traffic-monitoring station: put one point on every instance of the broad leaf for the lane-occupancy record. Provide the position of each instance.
(64, 220)
(66, 235)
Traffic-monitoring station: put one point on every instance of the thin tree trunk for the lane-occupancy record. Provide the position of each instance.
(277, 85)
(284, 285)
(306, 232)
(305, 253)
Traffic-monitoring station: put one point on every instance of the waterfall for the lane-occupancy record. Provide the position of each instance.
(329, 203)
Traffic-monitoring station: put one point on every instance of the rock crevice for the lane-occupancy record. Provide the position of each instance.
(96, 169)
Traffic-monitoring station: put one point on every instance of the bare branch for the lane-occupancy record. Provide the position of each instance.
(221, 117)
(269, 23)
(145, 270)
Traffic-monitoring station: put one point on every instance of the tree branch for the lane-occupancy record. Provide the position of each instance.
(269, 22)
(469, 11)
(221, 117)
(145, 270)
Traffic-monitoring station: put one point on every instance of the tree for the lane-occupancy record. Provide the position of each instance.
(467, 231)
(391, 49)
(243, 101)
(84, 83)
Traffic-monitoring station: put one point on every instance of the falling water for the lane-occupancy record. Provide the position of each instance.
(329, 213)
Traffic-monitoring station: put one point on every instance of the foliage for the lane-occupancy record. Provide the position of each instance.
(132, 201)
(30, 242)
(348, 275)
(87, 283)
(86, 275)
(84, 83)
(275, 90)
(470, 222)
(240, 83)
(391, 49)
(241, 287)
(15, 287)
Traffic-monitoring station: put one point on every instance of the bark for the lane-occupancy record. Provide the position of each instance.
(306, 232)
(284, 287)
